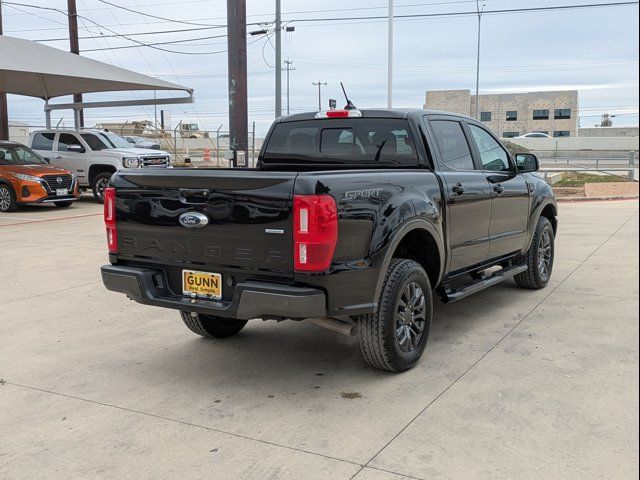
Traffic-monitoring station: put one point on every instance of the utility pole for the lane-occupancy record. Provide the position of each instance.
(288, 62)
(237, 65)
(4, 117)
(320, 85)
(390, 58)
(479, 10)
(74, 46)
(278, 67)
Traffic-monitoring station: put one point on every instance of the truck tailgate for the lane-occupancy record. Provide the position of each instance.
(248, 219)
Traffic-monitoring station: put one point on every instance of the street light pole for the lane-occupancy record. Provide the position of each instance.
(390, 58)
(479, 10)
(278, 66)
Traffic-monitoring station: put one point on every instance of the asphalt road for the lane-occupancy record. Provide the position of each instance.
(514, 385)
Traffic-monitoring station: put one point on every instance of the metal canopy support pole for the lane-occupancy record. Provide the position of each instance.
(278, 33)
(237, 58)
(4, 116)
(77, 120)
(390, 58)
(74, 47)
(47, 116)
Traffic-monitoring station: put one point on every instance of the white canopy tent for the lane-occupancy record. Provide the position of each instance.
(36, 70)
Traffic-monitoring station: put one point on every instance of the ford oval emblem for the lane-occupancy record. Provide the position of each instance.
(193, 220)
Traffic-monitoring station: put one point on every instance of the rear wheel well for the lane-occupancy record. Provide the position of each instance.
(420, 246)
(550, 213)
(96, 170)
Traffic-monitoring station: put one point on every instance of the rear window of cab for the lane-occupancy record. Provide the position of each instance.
(370, 141)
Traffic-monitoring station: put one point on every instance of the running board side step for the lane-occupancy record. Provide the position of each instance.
(449, 295)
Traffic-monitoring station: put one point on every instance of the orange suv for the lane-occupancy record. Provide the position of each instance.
(26, 177)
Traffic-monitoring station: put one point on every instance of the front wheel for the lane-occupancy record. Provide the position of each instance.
(7, 199)
(395, 336)
(99, 184)
(539, 258)
(210, 326)
(65, 204)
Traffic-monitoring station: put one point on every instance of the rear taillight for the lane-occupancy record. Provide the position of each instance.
(315, 232)
(110, 218)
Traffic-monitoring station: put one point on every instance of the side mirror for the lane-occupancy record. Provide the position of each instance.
(75, 148)
(527, 162)
(47, 159)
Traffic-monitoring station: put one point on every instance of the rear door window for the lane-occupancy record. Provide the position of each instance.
(365, 141)
(454, 148)
(43, 141)
(66, 139)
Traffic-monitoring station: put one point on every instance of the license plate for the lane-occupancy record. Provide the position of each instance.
(60, 192)
(203, 284)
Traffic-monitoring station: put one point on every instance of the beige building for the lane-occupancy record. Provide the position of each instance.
(514, 114)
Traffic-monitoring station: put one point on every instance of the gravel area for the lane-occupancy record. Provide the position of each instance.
(611, 189)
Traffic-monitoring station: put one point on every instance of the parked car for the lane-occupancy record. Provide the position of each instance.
(94, 155)
(354, 219)
(534, 135)
(141, 142)
(26, 177)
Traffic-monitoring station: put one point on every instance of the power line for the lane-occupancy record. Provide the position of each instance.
(172, 42)
(378, 17)
(468, 13)
(116, 34)
(115, 5)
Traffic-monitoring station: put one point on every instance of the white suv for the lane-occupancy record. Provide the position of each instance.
(94, 155)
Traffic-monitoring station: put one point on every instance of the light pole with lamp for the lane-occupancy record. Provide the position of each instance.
(479, 10)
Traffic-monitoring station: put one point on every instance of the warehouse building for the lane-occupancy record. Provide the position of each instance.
(514, 114)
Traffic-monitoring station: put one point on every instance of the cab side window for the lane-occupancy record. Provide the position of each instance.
(454, 149)
(65, 140)
(43, 141)
(93, 141)
(494, 157)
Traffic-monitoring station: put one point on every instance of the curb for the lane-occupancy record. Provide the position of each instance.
(596, 199)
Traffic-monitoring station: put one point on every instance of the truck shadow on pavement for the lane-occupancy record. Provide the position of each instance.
(266, 350)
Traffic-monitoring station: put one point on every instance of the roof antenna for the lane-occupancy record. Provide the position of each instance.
(349, 105)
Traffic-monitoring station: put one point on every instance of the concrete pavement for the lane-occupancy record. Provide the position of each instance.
(514, 383)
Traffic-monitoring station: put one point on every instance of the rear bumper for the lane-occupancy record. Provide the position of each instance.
(251, 299)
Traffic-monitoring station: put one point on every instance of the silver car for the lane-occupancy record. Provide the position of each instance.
(141, 142)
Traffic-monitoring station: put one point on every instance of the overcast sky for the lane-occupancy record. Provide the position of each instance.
(593, 50)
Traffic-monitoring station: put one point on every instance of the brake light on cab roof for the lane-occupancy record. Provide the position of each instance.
(339, 114)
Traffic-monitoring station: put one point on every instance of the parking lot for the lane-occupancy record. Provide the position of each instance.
(515, 384)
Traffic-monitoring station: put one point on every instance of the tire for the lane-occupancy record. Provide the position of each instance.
(99, 184)
(209, 326)
(63, 204)
(539, 258)
(7, 199)
(384, 337)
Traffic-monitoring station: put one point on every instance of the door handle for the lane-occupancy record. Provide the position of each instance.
(57, 157)
(458, 188)
(498, 189)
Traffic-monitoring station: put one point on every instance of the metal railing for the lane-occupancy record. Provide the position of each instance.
(605, 166)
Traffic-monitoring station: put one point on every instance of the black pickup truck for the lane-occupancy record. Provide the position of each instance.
(352, 219)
